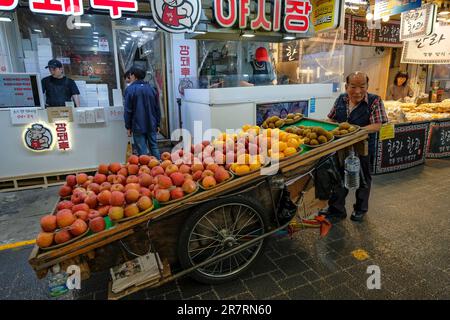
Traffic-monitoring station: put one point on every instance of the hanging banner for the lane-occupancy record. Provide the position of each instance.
(418, 23)
(361, 34)
(388, 35)
(389, 8)
(185, 64)
(438, 145)
(347, 29)
(433, 49)
(326, 14)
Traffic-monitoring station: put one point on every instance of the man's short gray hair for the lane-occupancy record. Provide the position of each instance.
(351, 75)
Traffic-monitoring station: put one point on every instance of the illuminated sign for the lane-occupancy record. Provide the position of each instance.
(176, 16)
(38, 138)
(295, 13)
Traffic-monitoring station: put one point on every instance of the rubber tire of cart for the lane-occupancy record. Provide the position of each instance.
(183, 239)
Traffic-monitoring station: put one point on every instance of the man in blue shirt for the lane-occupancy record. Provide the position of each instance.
(142, 114)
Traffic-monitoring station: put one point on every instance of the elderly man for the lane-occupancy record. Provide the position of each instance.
(366, 110)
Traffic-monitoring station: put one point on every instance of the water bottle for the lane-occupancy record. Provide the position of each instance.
(57, 282)
(352, 168)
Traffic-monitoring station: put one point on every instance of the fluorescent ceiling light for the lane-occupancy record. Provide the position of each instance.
(126, 42)
(248, 34)
(443, 13)
(199, 32)
(95, 32)
(289, 37)
(95, 37)
(82, 24)
(353, 7)
(5, 19)
(148, 29)
(134, 35)
(37, 30)
(129, 38)
(385, 19)
(369, 16)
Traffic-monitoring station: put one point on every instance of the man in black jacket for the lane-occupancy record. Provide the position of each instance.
(59, 89)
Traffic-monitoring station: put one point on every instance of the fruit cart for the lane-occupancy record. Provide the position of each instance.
(214, 235)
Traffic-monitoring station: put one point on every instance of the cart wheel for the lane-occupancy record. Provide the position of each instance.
(217, 227)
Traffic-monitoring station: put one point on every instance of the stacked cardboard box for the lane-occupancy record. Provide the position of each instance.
(103, 95)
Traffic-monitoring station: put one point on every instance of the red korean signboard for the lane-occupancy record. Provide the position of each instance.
(292, 15)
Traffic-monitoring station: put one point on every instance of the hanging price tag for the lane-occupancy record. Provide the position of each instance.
(387, 131)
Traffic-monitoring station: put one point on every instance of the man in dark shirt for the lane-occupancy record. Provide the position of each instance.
(59, 89)
(142, 114)
(367, 111)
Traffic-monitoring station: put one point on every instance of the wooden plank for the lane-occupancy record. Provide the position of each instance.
(83, 250)
(100, 239)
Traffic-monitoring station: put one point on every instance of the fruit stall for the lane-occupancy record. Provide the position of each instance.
(206, 211)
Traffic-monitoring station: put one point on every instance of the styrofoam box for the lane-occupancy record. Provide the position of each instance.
(44, 51)
(103, 103)
(102, 88)
(44, 41)
(26, 44)
(92, 103)
(117, 97)
(30, 54)
(103, 95)
(100, 115)
(80, 116)
(33, 38)
(90, 87)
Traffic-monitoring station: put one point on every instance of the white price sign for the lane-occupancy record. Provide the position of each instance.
(417, 23)
(115, 113)
(23, 115)
(432, 49)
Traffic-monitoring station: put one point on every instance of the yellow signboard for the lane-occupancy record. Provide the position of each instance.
(387, 131)
(326, 14)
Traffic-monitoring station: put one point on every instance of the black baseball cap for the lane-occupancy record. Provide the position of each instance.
(54, 64)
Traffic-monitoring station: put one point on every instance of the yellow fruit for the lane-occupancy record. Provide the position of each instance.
(242, 169)
(292, 136)
(282, 146)
(245, 127)
(255, 166)
(294, 143)
(256, 128)
(289, 151)
(283, 136)
(268, 133)
(234, 166)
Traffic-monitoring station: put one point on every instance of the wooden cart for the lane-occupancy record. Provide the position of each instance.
(214, 236)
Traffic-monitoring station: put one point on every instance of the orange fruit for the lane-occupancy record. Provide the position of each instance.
(255, 166)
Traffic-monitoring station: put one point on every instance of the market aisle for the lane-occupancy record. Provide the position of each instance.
(406, 235)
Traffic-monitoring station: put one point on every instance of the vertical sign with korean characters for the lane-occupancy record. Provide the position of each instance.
(418, 23)
(62, 136)
(388, 35)
(405, 150)
(432, 49)
(185, 65)
(438, 145)
(326, 14)
(23, 115)
(361, 34)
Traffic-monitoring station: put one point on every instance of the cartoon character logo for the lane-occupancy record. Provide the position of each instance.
(176, 16)
(38, 137)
